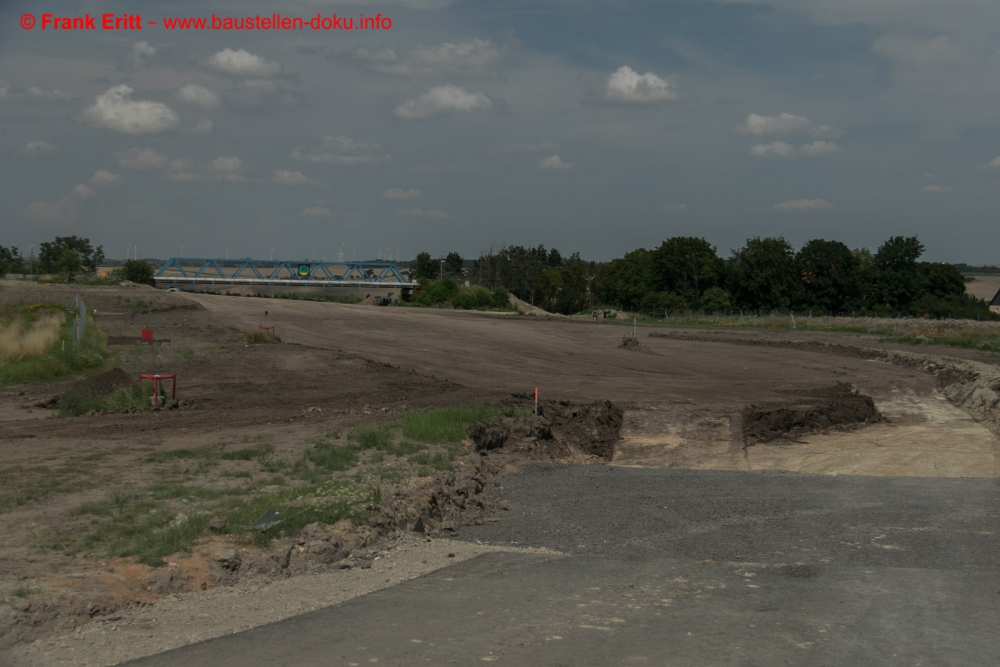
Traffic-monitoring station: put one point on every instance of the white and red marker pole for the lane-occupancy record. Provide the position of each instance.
(536, 401)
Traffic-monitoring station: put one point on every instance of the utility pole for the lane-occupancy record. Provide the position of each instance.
(272, 253)
(227, 252)
(442, 268)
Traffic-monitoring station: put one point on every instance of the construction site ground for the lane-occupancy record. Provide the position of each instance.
(862, 500)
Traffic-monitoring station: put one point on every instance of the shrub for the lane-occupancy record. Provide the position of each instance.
(500, 297)
(137, 271)
(259, 337)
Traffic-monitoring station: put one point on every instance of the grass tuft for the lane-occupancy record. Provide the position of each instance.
(259, 337)
(443, 425)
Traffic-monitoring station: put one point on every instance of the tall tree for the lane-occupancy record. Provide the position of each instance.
(625, 281)
(453, 264)
(11, 260)
(828, 276)
(427, 268)
(762, 274)
(50, 252)
(687, 266)
(897, 277)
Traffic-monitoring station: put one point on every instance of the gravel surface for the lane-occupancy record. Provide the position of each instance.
(631, 513)
(179, 620)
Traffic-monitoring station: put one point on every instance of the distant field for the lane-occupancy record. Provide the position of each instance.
(984, 287)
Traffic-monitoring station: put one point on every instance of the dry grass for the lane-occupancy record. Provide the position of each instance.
(259, 337)
(22, 339)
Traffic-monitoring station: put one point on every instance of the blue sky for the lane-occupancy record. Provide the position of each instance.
(589, 126)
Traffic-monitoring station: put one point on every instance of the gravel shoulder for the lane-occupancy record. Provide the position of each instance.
(180, 620)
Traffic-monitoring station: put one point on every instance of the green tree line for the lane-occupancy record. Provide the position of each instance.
(765, 274)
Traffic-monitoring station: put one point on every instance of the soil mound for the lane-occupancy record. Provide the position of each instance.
(841, 406)
(633, 345)
(103, 384)
(560, 431)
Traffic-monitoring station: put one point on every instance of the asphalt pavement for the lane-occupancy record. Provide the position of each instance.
(680, 567)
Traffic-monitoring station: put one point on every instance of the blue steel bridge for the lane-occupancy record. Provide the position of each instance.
(200, 271)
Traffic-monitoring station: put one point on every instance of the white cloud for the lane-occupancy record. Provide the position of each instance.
(397, 193)
(786, 123)
(62, 211)
(668, 208)
(627, 85)
(116, 110)
(555, 163)
(316, 212)
(783, 123)
(420, 213)
(935, 189)
(819, 148)
(345, 151)
(526, 147)
(260, 85)
(84, 192)
(781, 149)
(53, 95)
(37, 148)
(141, 51)
(343, 144)
(200, 96)
(802, 205)
(141, 158)
(442, 100)
(105, 179)
(225, 169)
(33, 93)
(203, 126)
(285, 177)
(995, 163)
(242, 63)
(465, 56)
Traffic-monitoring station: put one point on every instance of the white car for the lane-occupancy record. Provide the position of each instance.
(171, 289)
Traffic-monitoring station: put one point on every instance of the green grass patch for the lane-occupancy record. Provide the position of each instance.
(61, 360)
(372, 437)
(326, 503)
(968, 341)
(438, 461)
(133, 396)
(253, 453)
(20, 485)
(442, 425)
(327, 298)
(189, 454)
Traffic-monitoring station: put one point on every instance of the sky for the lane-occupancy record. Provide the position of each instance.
(593, 127)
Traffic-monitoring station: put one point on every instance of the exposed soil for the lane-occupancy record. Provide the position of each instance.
(560, 432)
(839, 407)
(102, 384)
(633, 345)
(347, 365)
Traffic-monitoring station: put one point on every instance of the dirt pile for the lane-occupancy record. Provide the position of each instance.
(560, 431)
(633, 345)
(103, 384)
(841, 406)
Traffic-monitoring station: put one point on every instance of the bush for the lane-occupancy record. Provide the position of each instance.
(259, 337)
(438, 292)
(657, 302)
(137, 271)
(501, 298)
(477, 298)
(715, 298)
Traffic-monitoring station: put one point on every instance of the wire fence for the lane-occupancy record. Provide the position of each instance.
(810, 320)
(80, 320)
